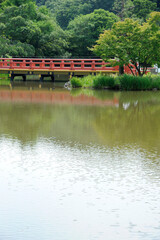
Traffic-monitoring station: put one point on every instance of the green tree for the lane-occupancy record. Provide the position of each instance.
(84, 30)
(142, 8)
(67, 10)
(15, 48)
(40, 2)
(53, 42)
(33, 26)
(138, 9)
(123, 8)
(128, 42)
(154, 21)
(6, 3)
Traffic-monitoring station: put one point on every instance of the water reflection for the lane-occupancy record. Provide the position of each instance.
(80, 171)
(115, 119)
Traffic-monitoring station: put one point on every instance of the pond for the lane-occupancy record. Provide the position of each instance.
(79, 164)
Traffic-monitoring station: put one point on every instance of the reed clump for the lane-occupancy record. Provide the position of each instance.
(103, 81)
(125, 82)
(133, 83)
(99, 81)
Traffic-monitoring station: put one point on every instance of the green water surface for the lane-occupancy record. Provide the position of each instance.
(83, 167)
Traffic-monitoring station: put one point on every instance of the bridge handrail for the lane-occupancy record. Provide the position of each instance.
(53, 64)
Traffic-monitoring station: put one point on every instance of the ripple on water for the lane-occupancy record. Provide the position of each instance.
(53, 190)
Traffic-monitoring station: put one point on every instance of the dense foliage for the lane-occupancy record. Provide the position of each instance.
(137, 9)
(84, 30)
(131, 43)
(63, 28)
(66, 10)
(30, 31)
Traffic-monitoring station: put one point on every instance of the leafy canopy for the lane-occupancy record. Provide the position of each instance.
(67, 10)
(28, 25)
(84, 30)
(137, 9)
(128, 42)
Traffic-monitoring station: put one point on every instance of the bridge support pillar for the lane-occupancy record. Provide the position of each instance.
(71, 74)
(53, 77)
(41, 78)
(24, 78)
(12, 77)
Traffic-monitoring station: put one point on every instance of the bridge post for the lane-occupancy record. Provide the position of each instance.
(11, 63)
(71, 74)
(24, 78)
(52, 77)
(41, 78)
(12, 77)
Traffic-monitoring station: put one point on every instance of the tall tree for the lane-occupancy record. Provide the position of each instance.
(10, 48)
(6, 3)
(123, 8)
(67, 10)
(142, 8)
(134, 8)
(84, 30)
(28, 25)
(131, 43)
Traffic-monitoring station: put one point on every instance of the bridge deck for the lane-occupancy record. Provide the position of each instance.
(56, 71)
(50, 67)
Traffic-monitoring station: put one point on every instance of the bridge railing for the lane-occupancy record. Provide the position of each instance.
(56, 64)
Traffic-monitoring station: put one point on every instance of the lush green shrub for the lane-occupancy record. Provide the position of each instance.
(102, 81)
(87, 81)
(76, 82)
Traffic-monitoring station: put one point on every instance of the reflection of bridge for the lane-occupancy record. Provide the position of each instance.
(50, 67)
(53, 98)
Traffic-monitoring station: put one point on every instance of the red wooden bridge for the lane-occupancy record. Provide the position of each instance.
(50, 67)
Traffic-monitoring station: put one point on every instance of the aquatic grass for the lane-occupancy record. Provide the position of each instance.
(98, 81)
(156, 82)
(132, 83)
(125, 82)
(103, 81)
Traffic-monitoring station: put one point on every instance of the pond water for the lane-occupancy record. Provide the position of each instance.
(79, 165)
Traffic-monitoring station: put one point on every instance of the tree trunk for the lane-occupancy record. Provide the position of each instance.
(121, 70)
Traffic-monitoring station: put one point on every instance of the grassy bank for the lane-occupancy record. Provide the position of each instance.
(124, 82)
